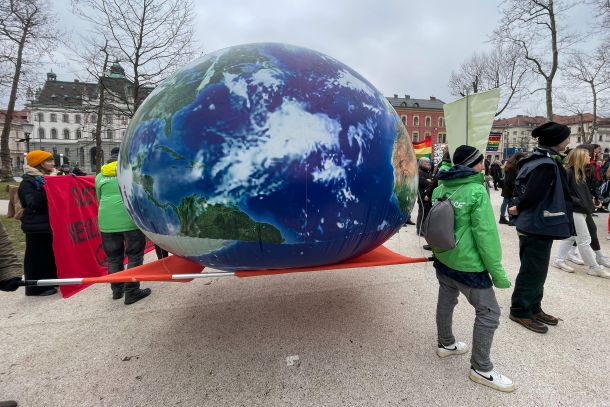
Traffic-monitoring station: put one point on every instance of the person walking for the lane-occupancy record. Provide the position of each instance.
(543, 213)
(508, 187)
(39, 259)
(496, 174)
(120, 236)
(471, 268)
(583, 206)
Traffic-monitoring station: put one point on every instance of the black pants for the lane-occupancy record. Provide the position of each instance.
(117, 245)
(161, 253)
(39, 260)
(422, 211)
(535, 253)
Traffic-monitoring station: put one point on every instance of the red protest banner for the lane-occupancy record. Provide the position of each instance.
(77, 242)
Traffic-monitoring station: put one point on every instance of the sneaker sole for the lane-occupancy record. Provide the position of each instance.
(563, 269)
(443, 353)
(480, 380)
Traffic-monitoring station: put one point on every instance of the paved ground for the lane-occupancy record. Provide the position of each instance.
(363, 337)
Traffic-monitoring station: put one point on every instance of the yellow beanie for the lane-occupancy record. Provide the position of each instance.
(37, 157)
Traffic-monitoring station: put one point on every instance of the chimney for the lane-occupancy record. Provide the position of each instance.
(76, 80)
(395, 96)
(407, 96)
(432, 97)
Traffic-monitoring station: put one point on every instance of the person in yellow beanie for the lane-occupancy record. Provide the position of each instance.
(39, 260)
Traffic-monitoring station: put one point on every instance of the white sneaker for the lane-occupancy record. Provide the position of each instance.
(493, 379)
(561, 264)
(457, 348)
(603, 260)
(574, 258)
(599, 271)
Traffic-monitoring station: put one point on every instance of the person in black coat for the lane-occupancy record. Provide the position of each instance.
(423, 198)
(39, 260)
(496, 173)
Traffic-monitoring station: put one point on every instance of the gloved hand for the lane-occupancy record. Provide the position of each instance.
(39, 181)
(10, 285)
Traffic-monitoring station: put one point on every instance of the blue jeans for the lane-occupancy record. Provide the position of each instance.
(504, 207)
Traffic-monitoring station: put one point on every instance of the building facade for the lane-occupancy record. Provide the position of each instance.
(423, 118)
(64, 115)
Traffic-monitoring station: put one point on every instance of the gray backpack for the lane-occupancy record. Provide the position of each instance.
(438, 226)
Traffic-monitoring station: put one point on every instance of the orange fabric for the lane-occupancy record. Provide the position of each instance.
(162, 270)
(380, 256)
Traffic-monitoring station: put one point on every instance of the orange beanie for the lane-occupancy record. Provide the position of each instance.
(37, 157)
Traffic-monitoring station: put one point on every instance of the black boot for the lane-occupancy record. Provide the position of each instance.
(133, 293)
(117, 290)
(503, 221)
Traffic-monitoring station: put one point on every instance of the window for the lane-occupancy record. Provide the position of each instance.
(404, 120)
(426, 135)
(514, 139)
(600, 138)
(40, 117)
(124, 120)
(607, 137)
(415, 120)
(428, 121)
(53, 117)
(108, 119)
(93, 118)
(515, 133)
(67, 154)
(77, 118)
(65, 118)
(415, 136)
(66, 134)
(442, 138)
(54, 133)
(93, 134)
(41, 134)
(441, 122)
(79, 134)
(109, 134)
(123, 135)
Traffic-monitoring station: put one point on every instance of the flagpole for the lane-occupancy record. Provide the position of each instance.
(466, 117)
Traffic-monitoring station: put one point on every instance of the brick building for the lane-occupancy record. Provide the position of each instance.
(424, 118)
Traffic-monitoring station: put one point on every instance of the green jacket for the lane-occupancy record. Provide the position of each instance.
(112, 215)
(478, 243)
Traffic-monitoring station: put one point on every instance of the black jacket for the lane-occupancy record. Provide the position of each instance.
(508, 188)
(496, 171)
(33, 199)
(582, 200)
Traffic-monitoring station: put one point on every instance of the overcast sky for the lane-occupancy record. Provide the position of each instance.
(401, 47)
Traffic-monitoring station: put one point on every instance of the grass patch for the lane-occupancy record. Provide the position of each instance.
(3, 190)
(13, 228)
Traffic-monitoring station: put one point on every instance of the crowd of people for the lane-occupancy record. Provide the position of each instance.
(547, 194)
(120, 236)
(551, 193)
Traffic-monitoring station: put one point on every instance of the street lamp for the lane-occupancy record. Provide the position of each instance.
(27, 130)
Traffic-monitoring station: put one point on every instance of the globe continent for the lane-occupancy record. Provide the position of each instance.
(266, 156)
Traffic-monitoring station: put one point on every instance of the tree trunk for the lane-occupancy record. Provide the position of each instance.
(549, 99)
(6, 172)
(594, 124)
(100, 116)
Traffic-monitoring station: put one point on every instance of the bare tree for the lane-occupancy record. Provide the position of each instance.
(26, 32)
(501, 68)
(151, 37)
(534, 27)
(592, 70)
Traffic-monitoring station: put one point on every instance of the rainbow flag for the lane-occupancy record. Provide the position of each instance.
(423, 148)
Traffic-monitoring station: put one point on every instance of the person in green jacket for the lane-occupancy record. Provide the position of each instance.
(472, 267)
(120, 236)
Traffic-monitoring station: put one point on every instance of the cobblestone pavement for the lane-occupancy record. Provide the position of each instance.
(361, 337)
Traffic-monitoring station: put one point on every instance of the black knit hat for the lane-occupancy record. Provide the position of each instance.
(551, 134)
(467, 155)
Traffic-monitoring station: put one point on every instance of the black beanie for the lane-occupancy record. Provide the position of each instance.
(467, 155)
(551, 134)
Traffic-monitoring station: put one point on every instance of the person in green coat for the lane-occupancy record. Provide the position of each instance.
(120, 236)
(472, 268)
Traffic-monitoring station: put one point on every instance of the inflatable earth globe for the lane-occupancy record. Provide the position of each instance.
(266, 156)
